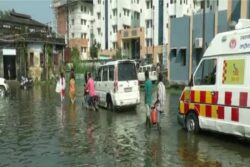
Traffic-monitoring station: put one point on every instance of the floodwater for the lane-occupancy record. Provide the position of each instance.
(36, 129)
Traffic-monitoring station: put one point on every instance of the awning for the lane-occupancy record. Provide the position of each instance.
(102, 57)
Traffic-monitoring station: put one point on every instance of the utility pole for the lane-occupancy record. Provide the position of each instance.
(67, 8)
(203, 25)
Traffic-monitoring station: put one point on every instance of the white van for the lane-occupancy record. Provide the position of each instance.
(117, 85)
(218, 98)
(151, 71)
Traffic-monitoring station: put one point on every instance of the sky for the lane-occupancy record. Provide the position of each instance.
(39, 10)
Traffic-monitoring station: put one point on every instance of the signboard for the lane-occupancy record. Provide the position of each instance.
(9, 52)
(233, 72)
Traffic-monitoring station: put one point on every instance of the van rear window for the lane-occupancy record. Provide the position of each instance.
(126, 71)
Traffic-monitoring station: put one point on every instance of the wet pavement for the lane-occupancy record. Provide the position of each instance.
(36, 129)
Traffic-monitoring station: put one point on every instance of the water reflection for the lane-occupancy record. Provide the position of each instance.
(36, 129)
(154, 151)
(191, 153)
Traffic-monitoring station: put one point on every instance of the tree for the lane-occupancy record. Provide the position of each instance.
(75, 57)
(4, 13)
(118, 54)
(94, 49)
(49, 58)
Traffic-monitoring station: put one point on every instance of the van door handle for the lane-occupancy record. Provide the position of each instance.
(212, 93)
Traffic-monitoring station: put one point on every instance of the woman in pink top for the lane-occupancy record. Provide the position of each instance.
(90, 87)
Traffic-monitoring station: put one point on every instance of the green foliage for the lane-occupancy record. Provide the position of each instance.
(4, 13)
(118, 54)
(48, 49)
(94, 49)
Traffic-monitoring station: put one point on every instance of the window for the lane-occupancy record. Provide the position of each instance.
(208, 3)
(99, 74)
(114, 45)
(72, 21)
(72, 35)
(85, 35)
(206, 73)
(84, 21)
(114, 28)
(126, 12)
(99, 15)
(126, 71)
(31, 59)
(99, 31)
(149, 4)
(81, 8)
(114, 12)
(6, 26)
(56, 56)
(105, 74)
(183, 57)
(173, 54)
(111, 73)
(149, 23)
(85, 9)
(41, 59)
(81, 21)
(99, 1)
(149, 41)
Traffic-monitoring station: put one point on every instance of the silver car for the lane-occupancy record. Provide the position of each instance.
(4, 87)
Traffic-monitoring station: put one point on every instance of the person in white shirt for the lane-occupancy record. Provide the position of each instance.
(161, 96)
(62, 86)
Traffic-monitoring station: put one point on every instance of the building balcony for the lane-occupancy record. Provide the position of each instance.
(131, 33)
(78, 42)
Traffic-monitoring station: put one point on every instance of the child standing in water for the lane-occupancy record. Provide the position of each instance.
(72, 88)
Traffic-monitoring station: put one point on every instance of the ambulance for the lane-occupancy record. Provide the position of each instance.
(218, 95)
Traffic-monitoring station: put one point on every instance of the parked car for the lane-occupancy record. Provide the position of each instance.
(152, 73)
(117, 85)
(4, 87)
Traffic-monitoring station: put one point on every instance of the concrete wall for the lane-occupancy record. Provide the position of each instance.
(197, 33)
(222, 21)
(236, 10)
(179, 39)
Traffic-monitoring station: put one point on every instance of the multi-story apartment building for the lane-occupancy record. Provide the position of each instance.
(74, 22)
(137, 28)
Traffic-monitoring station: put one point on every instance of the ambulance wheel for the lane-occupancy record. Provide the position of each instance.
(192, 123)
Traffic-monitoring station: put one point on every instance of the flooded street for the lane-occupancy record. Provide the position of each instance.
(36, 129)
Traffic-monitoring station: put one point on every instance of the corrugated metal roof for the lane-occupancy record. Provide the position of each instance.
(21, 19)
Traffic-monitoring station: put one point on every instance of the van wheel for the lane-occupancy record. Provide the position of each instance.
(192, 123)
(110, 105)
(2, 91)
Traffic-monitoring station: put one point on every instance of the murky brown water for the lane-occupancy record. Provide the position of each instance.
(36, 129)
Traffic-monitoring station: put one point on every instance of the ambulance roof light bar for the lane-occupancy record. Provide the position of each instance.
(242, 23)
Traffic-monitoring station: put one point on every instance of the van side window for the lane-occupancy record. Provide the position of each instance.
(111, 73)
(105, 74)
(206, 73)
(99, 74)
